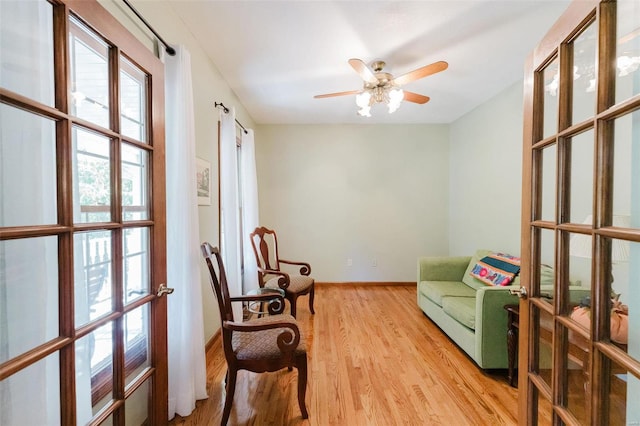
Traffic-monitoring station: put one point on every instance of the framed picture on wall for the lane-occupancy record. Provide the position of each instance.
(203, 181)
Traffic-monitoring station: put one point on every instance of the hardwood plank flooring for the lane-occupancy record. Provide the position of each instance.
(374, 359)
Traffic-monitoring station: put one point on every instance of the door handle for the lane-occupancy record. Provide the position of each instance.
(163, 289)
(520, 292)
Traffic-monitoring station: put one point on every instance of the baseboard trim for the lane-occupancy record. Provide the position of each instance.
(213, 341)
(367, 283)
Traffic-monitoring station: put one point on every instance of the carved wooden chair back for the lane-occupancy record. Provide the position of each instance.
(265, 247)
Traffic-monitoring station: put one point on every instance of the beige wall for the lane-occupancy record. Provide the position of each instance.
(376, 194)
(485, 176)
(208, 87)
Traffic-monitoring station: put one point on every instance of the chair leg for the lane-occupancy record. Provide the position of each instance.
(311, 295)
(228, 400)
(302, 384)
(293, 299)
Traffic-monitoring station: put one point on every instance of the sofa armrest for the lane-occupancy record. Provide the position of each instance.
(442, 268)
(491, 325)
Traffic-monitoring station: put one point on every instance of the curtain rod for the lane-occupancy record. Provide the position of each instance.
(226, 111)
(170, 50)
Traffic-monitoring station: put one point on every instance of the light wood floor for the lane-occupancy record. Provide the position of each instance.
(374, 359)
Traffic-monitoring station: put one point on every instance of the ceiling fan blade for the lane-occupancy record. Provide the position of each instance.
(415, 98)
(330, 95)
(363, 70)
(421, 72)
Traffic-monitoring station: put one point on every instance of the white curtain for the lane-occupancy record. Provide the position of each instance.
(28, 285)
(187, 366)
(230, 235)
(250, 218)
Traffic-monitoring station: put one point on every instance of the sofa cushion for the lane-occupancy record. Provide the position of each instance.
(467, 278)
(436, 290)
(462, 309)
(497, 269)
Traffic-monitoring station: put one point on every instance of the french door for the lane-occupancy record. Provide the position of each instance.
(580, 326)
(82, 219)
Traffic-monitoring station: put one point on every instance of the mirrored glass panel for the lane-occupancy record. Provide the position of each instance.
(628, 50)
(582, 177)
(133, 101)
(27, 26)
(135, 183)
(547, 262)
(136, 263)
(580, 283)
(92, 271)
(94, 372)
(584, 74)
(137, 406)
(551, 78)
(543, 345)
(545, 411)
(577, 376)
(27, 168)
(27, 321)
(623, 397)
(32, 395)
(136, 336)
(625, 296)
(549, 164)
(626, 169)
(89, 74)
(91, 177)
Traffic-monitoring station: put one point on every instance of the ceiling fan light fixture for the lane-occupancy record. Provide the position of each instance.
(395, 99)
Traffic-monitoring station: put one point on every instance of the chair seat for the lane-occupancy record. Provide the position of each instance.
(263, 344)
(297, 283)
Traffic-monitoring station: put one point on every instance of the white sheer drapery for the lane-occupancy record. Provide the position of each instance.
(250, 217)
(230, 235)
(28, 267)
(187, 366)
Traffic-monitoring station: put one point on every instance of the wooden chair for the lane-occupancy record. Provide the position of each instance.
(265, 247)
(270, 343)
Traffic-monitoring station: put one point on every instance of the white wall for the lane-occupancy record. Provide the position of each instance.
(485, 176)
(208, 87)
(371, 193)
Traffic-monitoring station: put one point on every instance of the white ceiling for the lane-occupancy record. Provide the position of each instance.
(276, 55)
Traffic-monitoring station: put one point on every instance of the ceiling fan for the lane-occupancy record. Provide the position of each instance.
(382, 87)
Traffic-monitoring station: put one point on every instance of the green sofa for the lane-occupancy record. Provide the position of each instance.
(470, 312)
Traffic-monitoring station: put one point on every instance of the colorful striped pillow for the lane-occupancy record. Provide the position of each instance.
(496, 269)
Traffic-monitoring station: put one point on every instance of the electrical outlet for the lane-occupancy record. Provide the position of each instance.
(374, 262)
(349, 262)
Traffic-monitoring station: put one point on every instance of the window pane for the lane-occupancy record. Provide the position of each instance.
(136, 263)
(625, 304)
(32, 396)
(94, 372)
(623, 406)
(136, 406)
(584, 75)
(580, 249)
(577, 359)
(547, 261)
(550, 118)
(28, 294)
(581, 177)
(27, 26)
(27, 168)
(549, 183)
(628, 50)
(133, 101)
(543, 345)
(89, 74)
(135, 176)
(92, 177)
(626, 170)
(136, 335)
(92, 255)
